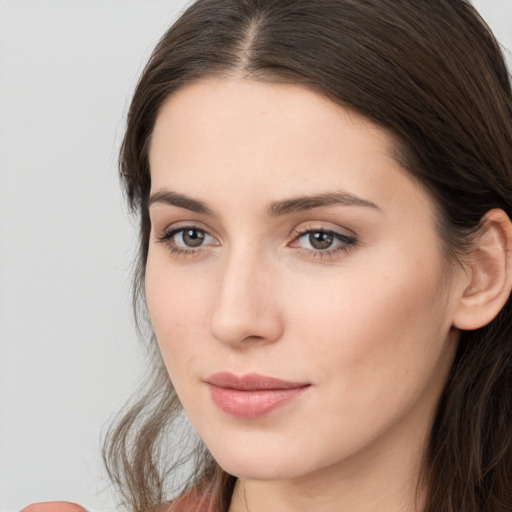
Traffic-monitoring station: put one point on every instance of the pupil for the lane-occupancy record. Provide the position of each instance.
(320, 240)
(193, 237)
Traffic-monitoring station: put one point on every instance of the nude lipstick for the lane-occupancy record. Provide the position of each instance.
(251, 396)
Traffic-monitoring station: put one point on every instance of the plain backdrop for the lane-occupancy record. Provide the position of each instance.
(69, 356)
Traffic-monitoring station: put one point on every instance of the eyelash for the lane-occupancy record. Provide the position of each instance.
(347, 242)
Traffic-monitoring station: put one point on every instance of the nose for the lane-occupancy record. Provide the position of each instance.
(246, 309)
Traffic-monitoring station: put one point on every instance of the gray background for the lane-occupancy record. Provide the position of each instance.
(68, 352)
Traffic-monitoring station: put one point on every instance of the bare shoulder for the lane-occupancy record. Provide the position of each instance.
(54, 506)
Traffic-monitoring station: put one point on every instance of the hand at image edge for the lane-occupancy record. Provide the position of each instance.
(54, 506)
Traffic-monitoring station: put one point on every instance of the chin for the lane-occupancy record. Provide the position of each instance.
(263, 463)
(263, 471)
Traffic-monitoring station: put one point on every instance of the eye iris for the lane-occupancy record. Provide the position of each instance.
(320, 240)
(192, 237)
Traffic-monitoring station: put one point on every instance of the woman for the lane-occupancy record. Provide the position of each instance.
(324, 190)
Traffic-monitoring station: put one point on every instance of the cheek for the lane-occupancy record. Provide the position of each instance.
(178, 308)
(376, 351)
(374, 330)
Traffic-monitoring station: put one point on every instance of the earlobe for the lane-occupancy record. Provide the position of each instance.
(490, 271)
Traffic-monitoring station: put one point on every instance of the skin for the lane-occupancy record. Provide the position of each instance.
(54, 506)
(368, 325)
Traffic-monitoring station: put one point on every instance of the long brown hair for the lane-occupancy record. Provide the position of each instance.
(432, 74)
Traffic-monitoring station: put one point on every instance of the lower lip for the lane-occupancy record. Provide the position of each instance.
(252, 404)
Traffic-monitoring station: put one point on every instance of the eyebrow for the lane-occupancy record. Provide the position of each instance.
(276, 209)
(180, 200)
(305, 203)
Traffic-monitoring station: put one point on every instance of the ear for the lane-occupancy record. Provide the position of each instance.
(489, 269)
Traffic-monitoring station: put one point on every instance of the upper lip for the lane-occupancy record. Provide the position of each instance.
(251, 382)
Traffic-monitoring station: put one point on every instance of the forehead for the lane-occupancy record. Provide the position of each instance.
(236, 126)
(240, 145)
(212, 106)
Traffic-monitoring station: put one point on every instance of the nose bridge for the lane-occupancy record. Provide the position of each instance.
(245, 307)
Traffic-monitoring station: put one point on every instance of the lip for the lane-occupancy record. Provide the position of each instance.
(251, 396)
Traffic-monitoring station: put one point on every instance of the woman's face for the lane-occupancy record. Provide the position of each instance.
(287, 243)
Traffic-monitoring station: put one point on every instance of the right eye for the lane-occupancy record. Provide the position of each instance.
(188, 239)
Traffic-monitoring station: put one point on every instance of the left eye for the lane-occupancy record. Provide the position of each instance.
(322, 240)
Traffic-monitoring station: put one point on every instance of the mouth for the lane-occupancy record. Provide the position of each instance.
(251, 396)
